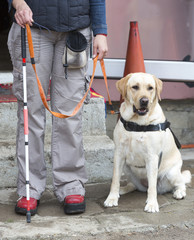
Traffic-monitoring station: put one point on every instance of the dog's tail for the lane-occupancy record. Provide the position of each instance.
(187, 176)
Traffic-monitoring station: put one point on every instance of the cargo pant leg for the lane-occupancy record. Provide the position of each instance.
(68, 160)
(36, 110)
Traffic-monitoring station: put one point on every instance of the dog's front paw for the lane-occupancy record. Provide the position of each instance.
(179, 194)
(151, 207)
(112, 200)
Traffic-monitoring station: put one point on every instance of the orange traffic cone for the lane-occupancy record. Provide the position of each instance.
(134, 58)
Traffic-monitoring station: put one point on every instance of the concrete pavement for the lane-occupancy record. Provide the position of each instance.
(127, 221)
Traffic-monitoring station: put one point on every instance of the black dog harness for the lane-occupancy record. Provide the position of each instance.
(134, 127)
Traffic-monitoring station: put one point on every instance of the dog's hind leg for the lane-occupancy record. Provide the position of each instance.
(180, 185)
(187, 176)
(127, 188)
(179, 180)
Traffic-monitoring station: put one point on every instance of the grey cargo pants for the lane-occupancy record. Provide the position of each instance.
(67, 152)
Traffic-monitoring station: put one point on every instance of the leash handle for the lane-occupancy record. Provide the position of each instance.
(106, 84)
(41, 91)
(23, 42)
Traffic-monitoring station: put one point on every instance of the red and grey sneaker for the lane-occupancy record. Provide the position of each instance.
(21, 206)
(74, 204)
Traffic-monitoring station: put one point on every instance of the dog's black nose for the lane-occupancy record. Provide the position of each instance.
(144, 102)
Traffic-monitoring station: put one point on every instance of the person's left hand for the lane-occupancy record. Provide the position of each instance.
(100, 46)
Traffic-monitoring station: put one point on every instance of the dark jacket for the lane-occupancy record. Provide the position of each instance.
(68, 15)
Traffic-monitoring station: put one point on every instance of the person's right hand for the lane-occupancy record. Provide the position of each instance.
(23, 14)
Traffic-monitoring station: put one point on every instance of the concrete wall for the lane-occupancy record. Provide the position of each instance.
(181, 115)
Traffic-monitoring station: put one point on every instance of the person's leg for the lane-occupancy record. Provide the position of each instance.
(43, 49)
(69, 174)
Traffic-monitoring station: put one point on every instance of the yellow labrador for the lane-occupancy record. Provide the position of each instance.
(145, 148)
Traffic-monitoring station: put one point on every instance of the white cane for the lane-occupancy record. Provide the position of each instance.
(25, 112)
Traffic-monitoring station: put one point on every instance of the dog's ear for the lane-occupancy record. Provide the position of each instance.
(159, 84)
(121, 85)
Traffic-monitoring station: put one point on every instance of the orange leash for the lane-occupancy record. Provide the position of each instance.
(42, 95)
(187, 146)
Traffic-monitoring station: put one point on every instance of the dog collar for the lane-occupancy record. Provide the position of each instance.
(134, 127)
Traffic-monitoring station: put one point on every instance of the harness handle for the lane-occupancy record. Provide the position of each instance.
(41, 91)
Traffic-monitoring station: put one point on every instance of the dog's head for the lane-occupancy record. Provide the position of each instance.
(141, 90)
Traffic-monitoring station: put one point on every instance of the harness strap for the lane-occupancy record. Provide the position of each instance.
(134, 127)
(41, 91)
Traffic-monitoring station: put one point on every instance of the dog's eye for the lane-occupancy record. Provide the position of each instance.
(150, 88)
(135, 87)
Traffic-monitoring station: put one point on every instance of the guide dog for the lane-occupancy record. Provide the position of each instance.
(145, 149)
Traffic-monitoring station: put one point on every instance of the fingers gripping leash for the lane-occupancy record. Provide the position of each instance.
(25, 113)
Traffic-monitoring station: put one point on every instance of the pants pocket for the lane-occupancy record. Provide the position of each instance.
(66, 93)
(17, 87)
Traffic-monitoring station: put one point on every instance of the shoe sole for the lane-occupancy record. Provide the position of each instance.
(23, 211)
(74, 208)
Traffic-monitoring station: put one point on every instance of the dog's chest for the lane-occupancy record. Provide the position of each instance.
(137, 149)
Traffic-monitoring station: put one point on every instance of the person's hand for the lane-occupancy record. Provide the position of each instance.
(23, 14)
(100, 46)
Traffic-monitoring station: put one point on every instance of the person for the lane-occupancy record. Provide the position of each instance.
(61, 18)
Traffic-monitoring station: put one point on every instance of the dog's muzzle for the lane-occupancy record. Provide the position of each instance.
(143, 106)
